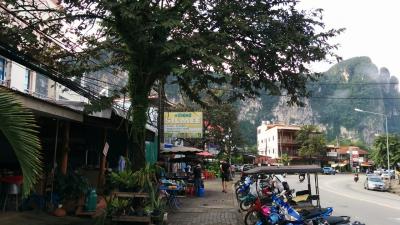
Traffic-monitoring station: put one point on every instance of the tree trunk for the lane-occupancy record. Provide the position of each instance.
(138, 116)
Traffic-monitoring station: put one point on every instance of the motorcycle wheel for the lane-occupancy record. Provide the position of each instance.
(251, 217)
(245, 206)
(239, 194)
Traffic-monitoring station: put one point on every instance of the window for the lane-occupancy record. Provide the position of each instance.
(273, 151)
(2, 69)
(41, 85)
(27, 80)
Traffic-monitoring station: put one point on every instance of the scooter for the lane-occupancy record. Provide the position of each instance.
(302, 177)
(356, 178)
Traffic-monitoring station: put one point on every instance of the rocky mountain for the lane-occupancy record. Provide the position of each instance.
(353, 83)
(350, 84)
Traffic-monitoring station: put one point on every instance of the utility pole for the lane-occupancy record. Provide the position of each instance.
(160, 118)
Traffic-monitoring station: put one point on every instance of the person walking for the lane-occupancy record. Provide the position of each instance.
(225, 172)
(197, 178)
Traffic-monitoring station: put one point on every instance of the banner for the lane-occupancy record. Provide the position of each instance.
(183, 124)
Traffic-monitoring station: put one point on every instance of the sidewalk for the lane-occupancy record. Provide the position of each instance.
(395, 186)
(216, 208)
(39, 218)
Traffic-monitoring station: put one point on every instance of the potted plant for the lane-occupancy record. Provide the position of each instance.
(70, 188)
(159, 204)
(117, 207)
(123, 180)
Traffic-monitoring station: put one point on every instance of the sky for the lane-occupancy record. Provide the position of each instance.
(372, 29)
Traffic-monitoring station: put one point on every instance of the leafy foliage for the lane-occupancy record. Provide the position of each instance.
(123, 179)
(18, 125)
(285, 159)
(311, 141)
(240, 46)
(379, 153)
(355, 83)
(71, 185)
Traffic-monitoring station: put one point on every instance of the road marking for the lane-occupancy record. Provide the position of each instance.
(361, 199)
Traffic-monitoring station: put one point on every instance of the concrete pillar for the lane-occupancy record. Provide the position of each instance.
(65, 147)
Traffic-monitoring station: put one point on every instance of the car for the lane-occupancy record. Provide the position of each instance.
(385, 175)
(392, 174)
(388, 174)
(374, 183)
(378, 172)
(329, 170)
(247, 167)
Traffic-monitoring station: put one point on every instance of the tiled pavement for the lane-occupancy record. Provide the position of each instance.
(216, 208)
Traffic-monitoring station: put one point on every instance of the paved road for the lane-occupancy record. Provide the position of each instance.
(350, 199)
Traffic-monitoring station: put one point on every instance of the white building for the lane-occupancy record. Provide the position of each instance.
(273, 140)
(20, 78)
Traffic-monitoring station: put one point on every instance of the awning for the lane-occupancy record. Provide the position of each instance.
(205, 154)
(342, 164)
(180, 150)
(184, 160)
(334, 165)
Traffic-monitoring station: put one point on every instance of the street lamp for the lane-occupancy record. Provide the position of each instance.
(387, 135)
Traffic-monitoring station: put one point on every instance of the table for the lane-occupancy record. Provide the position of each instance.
(171, 194)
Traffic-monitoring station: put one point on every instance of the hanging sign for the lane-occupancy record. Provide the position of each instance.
(183, 124)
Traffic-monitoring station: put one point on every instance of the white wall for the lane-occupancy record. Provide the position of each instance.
(272, 142)
(261, 139)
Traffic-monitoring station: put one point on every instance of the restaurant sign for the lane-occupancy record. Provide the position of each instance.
(183, 124)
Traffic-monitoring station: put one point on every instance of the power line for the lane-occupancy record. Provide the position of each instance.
(349, 84)
(355, 98)
(54, 40)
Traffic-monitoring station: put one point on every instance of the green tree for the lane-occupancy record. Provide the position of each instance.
(379, 151)
(221, 125)
(248, 132)
(243, 46)
(18, 126)
(285, 159)
(311, 142)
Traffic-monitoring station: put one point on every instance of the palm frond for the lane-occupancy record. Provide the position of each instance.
(19, 127)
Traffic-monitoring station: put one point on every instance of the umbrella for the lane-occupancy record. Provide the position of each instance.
(205, 154)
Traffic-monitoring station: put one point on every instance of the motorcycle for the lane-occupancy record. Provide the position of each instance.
(283, 213)
(302, 177)
(243, 189)
(356, 178)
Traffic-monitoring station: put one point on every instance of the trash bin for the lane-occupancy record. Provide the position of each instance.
(201, 192)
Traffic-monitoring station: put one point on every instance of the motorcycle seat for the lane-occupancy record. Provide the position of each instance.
(336, 220)
(308, 214)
